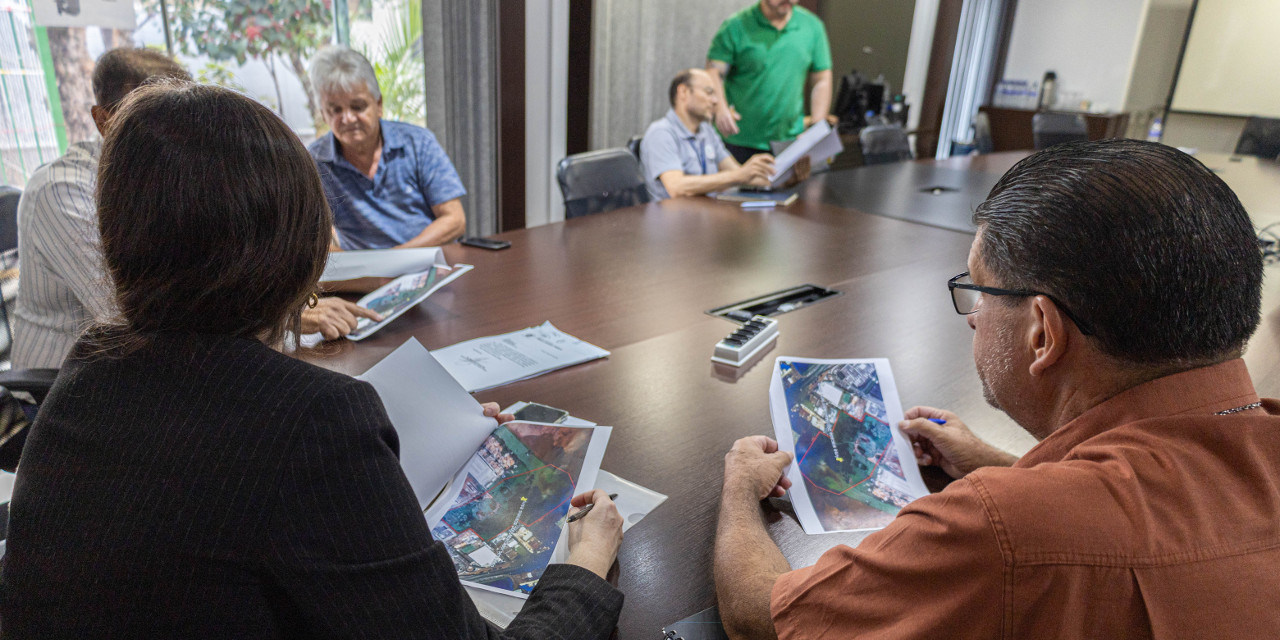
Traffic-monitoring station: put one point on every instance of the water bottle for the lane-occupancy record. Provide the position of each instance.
(1156, 130)
(1048, 91)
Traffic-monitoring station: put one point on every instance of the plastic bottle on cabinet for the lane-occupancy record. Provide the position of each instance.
(1156, 130)
(1048, 91)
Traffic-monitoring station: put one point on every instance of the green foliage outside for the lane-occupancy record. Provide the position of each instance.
(265, 30)
(399, 66)
(286, 33)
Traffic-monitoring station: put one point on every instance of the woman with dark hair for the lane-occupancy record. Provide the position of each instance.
(186, 479)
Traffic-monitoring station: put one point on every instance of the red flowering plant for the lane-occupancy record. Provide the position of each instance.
(265, 30)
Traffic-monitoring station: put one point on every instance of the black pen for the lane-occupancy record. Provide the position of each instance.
(585, 510)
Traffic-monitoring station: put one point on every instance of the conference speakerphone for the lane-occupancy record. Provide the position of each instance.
(743, 344)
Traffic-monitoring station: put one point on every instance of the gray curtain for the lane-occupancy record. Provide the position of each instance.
(459, 44)
(637, 47)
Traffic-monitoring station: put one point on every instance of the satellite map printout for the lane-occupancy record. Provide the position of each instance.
(506, 506)
(853, 469)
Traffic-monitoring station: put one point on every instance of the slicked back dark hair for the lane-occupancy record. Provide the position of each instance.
(212, 216)
(120, 71)
(1138, 239)
(681, 78)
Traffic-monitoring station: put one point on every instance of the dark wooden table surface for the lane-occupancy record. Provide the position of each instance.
(637, 282)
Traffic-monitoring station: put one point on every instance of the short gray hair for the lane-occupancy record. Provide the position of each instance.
(340, 68)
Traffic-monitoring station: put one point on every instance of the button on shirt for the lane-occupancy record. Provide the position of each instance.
(413, 175)
(668, 146)
(1149, 515)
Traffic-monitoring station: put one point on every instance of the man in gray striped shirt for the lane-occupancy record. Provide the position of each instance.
(64, 285)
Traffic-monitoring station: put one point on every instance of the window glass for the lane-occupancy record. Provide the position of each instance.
(258, 47)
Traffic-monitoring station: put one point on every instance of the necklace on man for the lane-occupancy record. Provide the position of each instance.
(1243, 407)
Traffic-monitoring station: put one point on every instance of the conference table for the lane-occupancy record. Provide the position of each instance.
(638, 281)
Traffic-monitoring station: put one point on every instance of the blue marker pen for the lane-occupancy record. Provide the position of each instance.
(937, 421)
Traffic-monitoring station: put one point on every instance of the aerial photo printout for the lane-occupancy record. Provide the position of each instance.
(401, 294)
(852, 470)
(506, 513)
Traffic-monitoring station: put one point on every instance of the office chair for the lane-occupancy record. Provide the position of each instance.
(35, 382)
(600, 181)
(13, 431)
(8, 268)
(982, 141)
(1049, 128)
(633, 145)
(1261, 137)
(9, 197)
(884, 143)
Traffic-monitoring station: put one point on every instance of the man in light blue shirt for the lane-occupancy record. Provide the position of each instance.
(389, 184)
(682, 154)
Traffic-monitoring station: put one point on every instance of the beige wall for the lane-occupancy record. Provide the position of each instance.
(1231, 60)
(883, 26)
(1090, 44)
(1202, 132)
(1155, 62)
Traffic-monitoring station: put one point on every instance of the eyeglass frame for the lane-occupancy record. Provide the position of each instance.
(952, 285)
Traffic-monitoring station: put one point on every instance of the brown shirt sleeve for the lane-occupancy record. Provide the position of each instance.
(937, 570)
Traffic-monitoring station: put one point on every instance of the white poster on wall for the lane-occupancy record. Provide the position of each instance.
(113, 14)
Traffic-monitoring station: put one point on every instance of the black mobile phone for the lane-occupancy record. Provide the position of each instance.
(534, 412)
(485, 243)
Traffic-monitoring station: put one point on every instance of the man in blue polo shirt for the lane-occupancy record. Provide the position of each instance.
(681, 153)
(389, 184)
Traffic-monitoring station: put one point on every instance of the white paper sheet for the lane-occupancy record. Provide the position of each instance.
(395, 298)
(380, 263)
(634, 502)
(493, 361)
(819, 142)
(401, 295)
(439, 424)
(854, 470)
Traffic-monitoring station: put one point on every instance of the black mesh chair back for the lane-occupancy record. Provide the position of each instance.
(982, 141)
(633, 145)
(8, 268)
(1261, 137)
(9, 217)
(599, 181)
(884, 143)
(1049, 128)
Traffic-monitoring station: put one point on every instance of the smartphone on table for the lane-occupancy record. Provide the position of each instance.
(484, 243)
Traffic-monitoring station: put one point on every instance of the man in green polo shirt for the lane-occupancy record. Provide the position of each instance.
(761, 58)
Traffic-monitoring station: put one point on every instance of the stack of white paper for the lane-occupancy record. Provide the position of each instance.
(380, 263)
(501, 516)
(493, 361)
(819, 142)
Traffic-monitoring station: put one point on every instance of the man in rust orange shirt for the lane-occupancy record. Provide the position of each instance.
(1112, 287)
